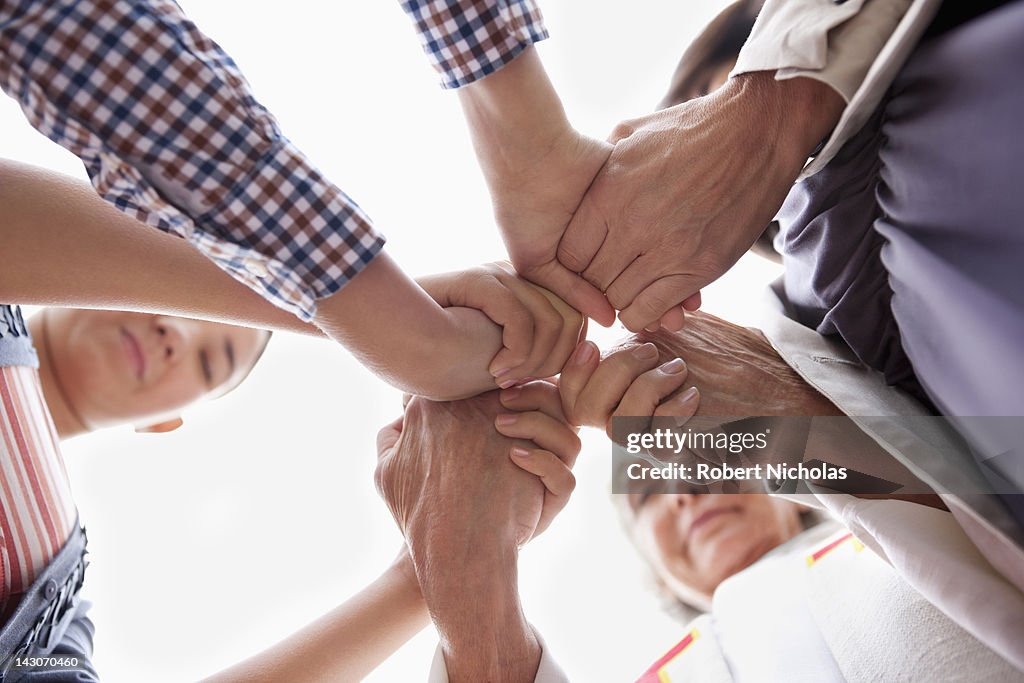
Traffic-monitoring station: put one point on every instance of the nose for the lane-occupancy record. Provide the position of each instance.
(681, 500)
(172, 338)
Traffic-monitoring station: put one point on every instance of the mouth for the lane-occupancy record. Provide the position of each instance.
(136, 359)
(705, 518)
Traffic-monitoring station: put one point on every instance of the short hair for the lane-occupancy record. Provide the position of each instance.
(672, 604)
(720, 41)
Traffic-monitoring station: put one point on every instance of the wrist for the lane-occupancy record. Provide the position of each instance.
(484, 633)
(470, 342)
(402, 574)
(799, 112)
(515, 117)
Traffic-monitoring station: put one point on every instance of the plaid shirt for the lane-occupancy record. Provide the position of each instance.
(171, 134)
(466, 40)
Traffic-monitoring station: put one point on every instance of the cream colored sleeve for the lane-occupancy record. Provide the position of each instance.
(855, 47)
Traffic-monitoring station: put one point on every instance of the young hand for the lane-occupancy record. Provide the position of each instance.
(629, 382)
(538, 417)
(539, 330)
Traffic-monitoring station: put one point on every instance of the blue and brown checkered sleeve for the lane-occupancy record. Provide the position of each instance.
(467, 40)
(171, 133)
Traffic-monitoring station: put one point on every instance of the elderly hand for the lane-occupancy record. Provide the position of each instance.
(687, 190)
(539, 330)
(464, 509)
(736, 370)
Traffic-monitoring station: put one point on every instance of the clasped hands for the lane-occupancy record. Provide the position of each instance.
(470, 481)
(640, 225)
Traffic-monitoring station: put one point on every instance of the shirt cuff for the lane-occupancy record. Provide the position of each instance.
(547, 672)
(793, 34)
(466, 40)
(837, 44)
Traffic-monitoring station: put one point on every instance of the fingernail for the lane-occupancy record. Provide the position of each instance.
(503, 371)
(653, 327)
(674, 367)
(520, 452)
(506, 419)
(584, 353)
(507, 383)
(511, 394)
(646, 351)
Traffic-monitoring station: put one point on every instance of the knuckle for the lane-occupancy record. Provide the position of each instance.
(617, 297)
(572, 257)
(623, 129)
(575, 444)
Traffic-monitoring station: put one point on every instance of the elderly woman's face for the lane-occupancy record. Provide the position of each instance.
(696, 541)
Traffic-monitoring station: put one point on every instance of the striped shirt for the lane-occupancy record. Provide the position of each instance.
(37, 512)
(171, 133)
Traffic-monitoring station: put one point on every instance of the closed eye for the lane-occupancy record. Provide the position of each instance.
(204, 364)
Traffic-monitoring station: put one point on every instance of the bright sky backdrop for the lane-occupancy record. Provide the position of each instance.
(215, 541)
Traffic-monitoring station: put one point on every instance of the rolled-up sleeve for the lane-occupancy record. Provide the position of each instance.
(171, 133)
(856, 47)
(466, 40)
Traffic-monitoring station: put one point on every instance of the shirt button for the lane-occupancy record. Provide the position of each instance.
(256, 267)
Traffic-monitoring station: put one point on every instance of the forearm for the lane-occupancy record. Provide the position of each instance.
(793, 115)
(394, 328)
(67, 247)
(856, 49)
(347, 643)
(484, 634)
(515, 118)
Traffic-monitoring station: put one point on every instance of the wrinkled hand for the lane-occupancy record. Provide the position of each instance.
(465, 509)
(445, 471)
(736, 370)
(539, 330)
(628, 382)
(687, 190)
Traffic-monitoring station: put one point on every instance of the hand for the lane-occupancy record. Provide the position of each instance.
(539, 330)
(537, 168)
(736, 370)
(464, 509)
(539, 417)
(630, 382)
(446, 462)
(533, 207)
(687, 190)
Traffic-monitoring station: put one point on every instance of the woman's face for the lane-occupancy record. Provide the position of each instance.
(696, 541)
(117, 367)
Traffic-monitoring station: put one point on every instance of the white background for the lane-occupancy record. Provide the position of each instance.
(213, 542)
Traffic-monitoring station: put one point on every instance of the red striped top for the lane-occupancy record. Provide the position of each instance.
(37, 512)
